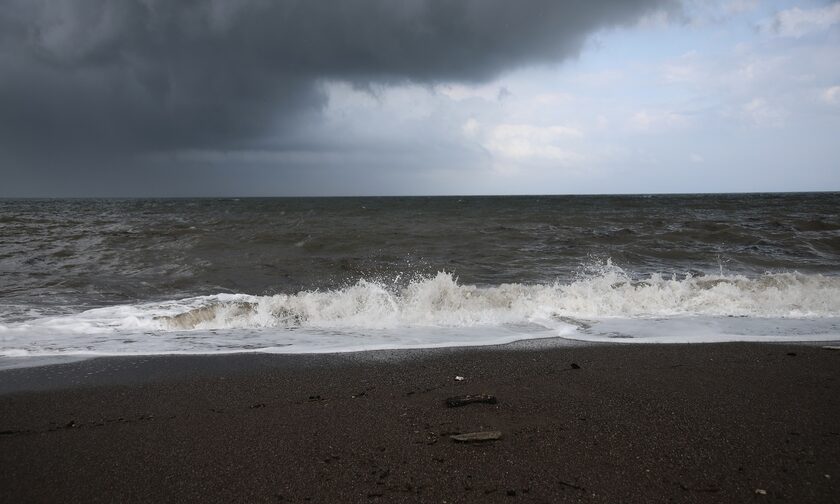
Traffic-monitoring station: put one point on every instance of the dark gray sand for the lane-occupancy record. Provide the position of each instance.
(664, 423)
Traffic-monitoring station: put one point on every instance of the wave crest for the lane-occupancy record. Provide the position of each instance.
(608, 306)
(442, 301)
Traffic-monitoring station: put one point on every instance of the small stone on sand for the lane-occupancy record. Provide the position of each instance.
(462, 400)
(477, 437)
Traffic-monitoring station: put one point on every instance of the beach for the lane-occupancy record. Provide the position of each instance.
(728, 422)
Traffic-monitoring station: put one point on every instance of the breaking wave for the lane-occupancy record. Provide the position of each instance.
(442, 301)
(372, 314)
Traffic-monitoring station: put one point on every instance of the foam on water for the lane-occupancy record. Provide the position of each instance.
(438, 311)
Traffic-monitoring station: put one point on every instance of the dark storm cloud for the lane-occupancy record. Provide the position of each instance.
(157, 73)
(85, 78)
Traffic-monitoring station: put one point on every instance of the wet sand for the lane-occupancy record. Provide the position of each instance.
(658, 423)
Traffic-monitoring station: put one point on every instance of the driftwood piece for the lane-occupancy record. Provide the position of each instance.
(462, 400)
(477, 437)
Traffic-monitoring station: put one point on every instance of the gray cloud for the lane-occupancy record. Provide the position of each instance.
(100, 78)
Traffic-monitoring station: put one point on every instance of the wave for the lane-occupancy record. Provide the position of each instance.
(441, 301)
(440, 311)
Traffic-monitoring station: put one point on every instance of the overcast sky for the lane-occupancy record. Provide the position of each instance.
(382, 97)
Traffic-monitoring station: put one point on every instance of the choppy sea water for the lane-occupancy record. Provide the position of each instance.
(149, 276)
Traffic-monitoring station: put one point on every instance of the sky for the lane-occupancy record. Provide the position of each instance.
(417, 97)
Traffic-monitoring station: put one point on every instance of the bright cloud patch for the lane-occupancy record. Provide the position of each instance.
(831, 95)
(798, 22)
(524, 142)
(761, 113)
(654, 120)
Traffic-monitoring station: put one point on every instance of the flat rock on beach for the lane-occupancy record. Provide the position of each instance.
(463, 400)
(477, 437)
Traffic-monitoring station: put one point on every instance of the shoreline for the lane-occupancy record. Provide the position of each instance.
(631, 423)
(72, 371)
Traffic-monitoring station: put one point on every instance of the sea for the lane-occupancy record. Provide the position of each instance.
(100, 277)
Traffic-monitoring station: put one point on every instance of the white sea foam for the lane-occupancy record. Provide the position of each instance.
(439, 311)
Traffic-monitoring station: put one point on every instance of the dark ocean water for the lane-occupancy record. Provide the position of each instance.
(246, 266)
